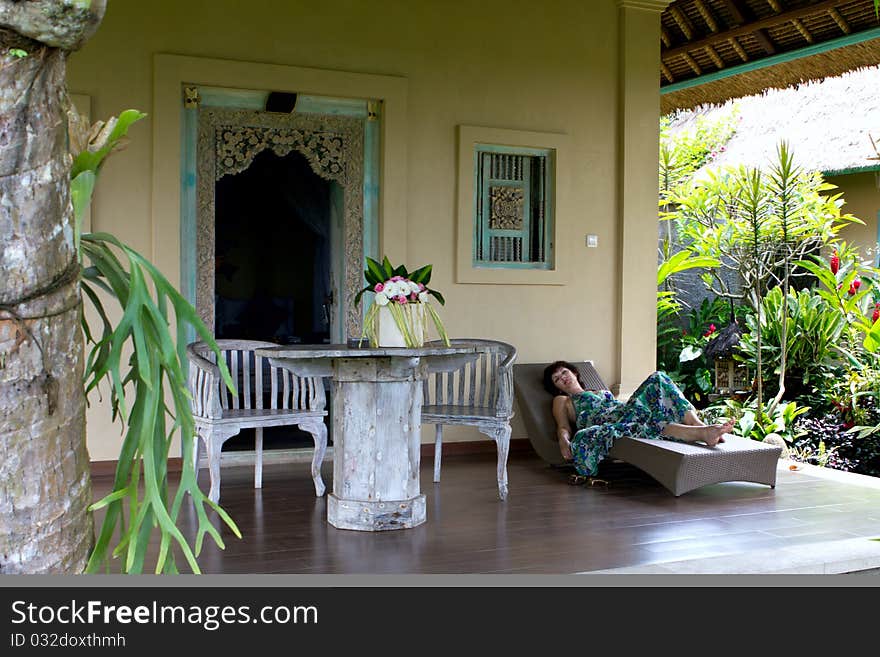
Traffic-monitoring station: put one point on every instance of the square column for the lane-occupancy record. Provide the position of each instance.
(639, 103)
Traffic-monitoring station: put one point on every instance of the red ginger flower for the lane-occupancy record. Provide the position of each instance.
(710, 331)
(835, 263)
(876, 315)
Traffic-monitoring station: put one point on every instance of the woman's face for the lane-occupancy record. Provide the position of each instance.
(564, 379)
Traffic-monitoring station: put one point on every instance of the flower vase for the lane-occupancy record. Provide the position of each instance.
(389, 334)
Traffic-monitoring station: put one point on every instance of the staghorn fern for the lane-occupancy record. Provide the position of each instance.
(138, 397)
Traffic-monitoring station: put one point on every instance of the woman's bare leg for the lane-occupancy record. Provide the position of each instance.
(691, 418)
(710, 434)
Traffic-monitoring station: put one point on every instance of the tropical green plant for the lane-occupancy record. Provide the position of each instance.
(156, 363)
(740, 216)
(681, 156)
(851, 288)
(782, 185)
(759, 226)
(844, 449)
(780, 421)
(667, 302)
(680, 346)
(806, 329)
(820, 455)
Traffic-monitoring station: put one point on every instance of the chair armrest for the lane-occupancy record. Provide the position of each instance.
(317, 400)
(203, 364)
(204, 386)
(504, 404)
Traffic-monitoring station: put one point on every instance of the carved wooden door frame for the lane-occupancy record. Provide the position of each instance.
(228, 141)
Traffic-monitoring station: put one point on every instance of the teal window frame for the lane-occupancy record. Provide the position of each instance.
(483, 182)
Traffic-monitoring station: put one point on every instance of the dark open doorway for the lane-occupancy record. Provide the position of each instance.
(273, 255)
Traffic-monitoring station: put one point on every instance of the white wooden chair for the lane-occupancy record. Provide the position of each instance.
(267, 397)
(478, 394)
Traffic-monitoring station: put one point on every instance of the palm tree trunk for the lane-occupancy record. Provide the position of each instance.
(44, 464)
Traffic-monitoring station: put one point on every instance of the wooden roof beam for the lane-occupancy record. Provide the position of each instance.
(800, 27)
(803, 30)
(682, 22)
(665, 38)
(743, 55)
(739, 14)
(715, 57)
(840, 20)
(739, 18)
(764, 41)
(666, 72)
(692, 63)
(735, 11)
(712, 24)
(754, 26)
(707, 15)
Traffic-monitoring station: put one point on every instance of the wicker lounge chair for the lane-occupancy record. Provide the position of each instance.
(678, 466)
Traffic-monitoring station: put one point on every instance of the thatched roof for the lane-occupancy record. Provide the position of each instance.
(712, 50)
(828, 124)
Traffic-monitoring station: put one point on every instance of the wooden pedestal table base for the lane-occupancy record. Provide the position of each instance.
(376, 426)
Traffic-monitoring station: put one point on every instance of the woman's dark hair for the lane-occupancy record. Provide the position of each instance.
(550, 370)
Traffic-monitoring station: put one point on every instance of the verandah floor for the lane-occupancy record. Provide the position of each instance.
(545, 526)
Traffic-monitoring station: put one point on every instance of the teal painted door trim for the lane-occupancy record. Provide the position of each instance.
(848, 40)
(372, 160)
(189, 126)
(256, 100)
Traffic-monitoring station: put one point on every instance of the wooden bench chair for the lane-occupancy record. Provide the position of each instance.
(678, 466)
(266, 397)
(478, 394)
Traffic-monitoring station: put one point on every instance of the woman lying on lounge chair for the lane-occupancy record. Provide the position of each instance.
(657, 409)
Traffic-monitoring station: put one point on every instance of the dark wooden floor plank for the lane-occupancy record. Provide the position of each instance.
(545, 525)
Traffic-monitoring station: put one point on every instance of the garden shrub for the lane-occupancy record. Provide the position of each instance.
(843, 450)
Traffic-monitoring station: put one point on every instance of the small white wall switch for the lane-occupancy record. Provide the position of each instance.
(592, 241)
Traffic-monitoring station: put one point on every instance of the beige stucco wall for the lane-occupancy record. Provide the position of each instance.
(862, 196)
(546, 67)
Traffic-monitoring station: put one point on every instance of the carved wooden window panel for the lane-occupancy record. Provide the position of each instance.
(514, 211)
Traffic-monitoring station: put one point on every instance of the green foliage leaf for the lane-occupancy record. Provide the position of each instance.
(155, 369)
(387, 268)
(155, 360)
(374, 273)
(81, 189)
(422, 275)
(682, 261)
(109, 140)
(357, 298)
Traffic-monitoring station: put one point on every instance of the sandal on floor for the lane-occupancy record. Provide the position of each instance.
(595, 481)
(577, 480)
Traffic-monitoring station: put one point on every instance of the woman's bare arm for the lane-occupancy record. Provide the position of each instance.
(562, 415)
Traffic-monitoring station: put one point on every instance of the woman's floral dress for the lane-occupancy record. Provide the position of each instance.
(602, 419)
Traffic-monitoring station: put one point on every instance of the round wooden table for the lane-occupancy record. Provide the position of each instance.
(376, 426)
